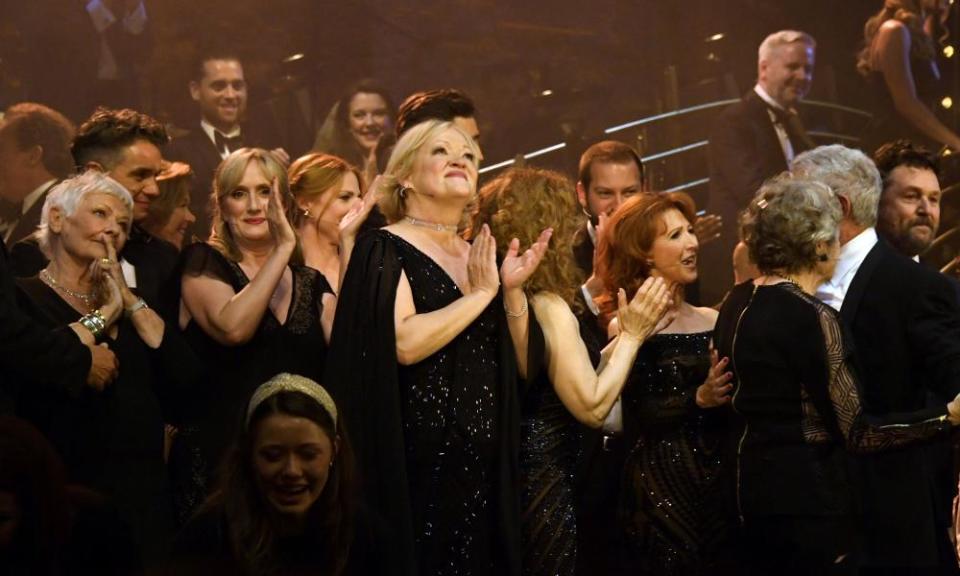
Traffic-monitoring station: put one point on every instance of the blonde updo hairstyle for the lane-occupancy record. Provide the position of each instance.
(311, 177)
(391, 192)
(228, 176)
(520, 203)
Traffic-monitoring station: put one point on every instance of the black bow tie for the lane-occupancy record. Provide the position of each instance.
(230, 143)
(791, 122)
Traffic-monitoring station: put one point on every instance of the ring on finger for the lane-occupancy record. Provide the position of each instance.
(106, 262)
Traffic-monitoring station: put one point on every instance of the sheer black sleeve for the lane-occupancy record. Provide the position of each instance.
(868, 433)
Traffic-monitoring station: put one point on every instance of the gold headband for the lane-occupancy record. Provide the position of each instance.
(292, 383)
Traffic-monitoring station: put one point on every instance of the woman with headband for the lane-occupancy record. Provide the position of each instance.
(286, 501)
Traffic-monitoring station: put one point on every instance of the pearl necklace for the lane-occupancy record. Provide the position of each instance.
(431, 225)
(86, 298)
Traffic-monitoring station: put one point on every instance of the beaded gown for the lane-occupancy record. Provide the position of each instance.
(436, 441)
(670, 500)
(549, 446)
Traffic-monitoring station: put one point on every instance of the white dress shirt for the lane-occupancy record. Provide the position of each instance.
(777, 125)
(852, 255)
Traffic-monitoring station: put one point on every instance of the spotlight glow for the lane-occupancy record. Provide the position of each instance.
(947, 102)
(948, 51)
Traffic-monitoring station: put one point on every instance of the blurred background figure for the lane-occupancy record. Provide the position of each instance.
(169, 217)
(34, 155)
(359, 128)
(899, 62)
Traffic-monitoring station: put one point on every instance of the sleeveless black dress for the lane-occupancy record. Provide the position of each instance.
(887, 124)
(671, 506)
(234, 372)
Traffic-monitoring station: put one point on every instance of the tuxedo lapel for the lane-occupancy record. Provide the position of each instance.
(766, 134)
(861, 280)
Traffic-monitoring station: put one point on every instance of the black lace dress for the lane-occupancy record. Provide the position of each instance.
(234, 372)
(671, 510)
(436, 440)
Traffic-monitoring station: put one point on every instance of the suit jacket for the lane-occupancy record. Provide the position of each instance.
(28, 223)
(31, 353)
(196, 149)
(744, 152)
(905, 322)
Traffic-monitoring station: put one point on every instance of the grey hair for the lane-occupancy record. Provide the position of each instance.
(786, 220)
(849, 173)
(782, 38)
(67, 195)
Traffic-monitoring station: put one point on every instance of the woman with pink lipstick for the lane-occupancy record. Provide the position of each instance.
(359, 128)
(248, 305)
(424, 361)
(670, 494)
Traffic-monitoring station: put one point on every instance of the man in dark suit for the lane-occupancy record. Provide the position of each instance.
(609, 173)
(34, 154)
(220, 90)
(66, 358)
(753, 140)
(905, 323)
(909, 213)
(125, 145)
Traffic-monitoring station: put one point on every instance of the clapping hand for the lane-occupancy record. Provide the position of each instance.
(715, 390)
(482, 263)
(646, 312)
(356, 216)
(108, 276)
(517, 268)
(283, 232)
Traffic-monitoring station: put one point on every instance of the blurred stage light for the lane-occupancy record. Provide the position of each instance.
(948, 51)
(293, 57)
(547, 92)
(947, 102)
(715, 37)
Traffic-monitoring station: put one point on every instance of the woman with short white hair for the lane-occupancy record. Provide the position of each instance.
(111, 440)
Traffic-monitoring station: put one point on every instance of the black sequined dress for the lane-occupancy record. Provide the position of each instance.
(671, 509)
(549, 445)
(436, 441)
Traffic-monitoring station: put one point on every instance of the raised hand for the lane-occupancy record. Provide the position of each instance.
(517, 268)
(355, 217)
(715, 390)
(108, 276)
(707, 228)
(282, 230)
(593, 284)
(482, 263)
(644, 314)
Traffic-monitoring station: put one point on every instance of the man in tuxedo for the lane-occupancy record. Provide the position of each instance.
(609, 173)
(219, 88)
(909, 213)
(34, 155)
(905, 323)
(124, 144)
(752, 140)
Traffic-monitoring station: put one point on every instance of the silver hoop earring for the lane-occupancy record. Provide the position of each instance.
(402, 191)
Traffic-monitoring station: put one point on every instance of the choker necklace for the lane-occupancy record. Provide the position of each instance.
(86, 298)
(431, 225)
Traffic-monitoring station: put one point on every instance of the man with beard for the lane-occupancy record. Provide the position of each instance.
(219, 88)
(909, 212)
(752, 140)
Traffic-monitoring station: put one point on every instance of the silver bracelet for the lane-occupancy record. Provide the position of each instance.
(523, 309)
(140, 304)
